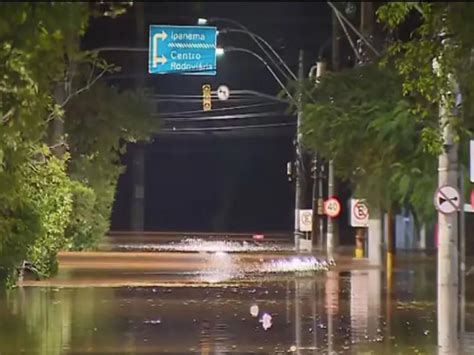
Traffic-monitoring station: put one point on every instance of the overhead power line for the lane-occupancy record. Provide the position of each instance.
(230, 128)
(226, 117)
(221, 109)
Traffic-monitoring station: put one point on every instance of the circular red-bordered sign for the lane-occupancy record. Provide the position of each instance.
(332, 207)
(361, 211)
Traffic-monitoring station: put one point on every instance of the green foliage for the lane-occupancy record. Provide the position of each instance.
(361, 120)
(99, 123)
(39, 43)
(81, 230)
(49, 193)
(32, 227)
(438, 52)
(35, 38)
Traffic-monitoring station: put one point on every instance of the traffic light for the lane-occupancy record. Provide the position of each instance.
(206, 97)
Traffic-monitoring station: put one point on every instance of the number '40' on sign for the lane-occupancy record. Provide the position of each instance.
(332, 207)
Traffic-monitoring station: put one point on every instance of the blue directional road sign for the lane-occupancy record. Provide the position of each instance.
(182, 50)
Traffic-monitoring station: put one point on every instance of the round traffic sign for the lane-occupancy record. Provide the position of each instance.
(223, 92)
(332, 207)
(361, 210)
(447, 199)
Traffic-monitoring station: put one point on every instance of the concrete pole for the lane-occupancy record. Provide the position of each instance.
(447, 242)
(300, 187)
(331, 239)
(422, 244)
(366, 29)
(462, 257)
(331, 233)
(138, 164)
(318, 166)
(448, 258)
(375, 238)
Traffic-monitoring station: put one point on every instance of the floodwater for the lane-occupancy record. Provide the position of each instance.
(311, 312)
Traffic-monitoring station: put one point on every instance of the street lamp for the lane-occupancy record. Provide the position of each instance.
(256, 38)
(221, 51)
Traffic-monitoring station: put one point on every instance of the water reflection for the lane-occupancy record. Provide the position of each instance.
(325, 313)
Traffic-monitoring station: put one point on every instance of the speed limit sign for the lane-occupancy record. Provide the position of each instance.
(332, 207)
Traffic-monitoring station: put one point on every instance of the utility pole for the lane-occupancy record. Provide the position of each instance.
(448, 273)
(366, 28)
(138, 162)
(331, 234)
(317, 231)
(300, 185)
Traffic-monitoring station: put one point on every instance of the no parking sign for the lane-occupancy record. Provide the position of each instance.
(359, 213)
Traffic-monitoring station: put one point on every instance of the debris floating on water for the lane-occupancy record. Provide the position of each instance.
(266, 321)
(202, 245)
(297, 264)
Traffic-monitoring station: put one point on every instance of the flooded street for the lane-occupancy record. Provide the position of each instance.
(211, 311)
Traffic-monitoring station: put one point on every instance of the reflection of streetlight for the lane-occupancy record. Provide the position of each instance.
(256, 38)
(221, 51)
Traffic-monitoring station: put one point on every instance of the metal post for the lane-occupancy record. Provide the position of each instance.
(300, 178)
(138, 166)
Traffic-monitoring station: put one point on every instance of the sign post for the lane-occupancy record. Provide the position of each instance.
(359, 213)
(360, 220)
(306, 225)
(189, 50)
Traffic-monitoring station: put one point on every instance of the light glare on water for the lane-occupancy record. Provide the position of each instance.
(327, 312)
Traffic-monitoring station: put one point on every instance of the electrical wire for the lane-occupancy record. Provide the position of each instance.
(367, 42)
(220, 109)
(348, 36)
(261, 39)
(225, 117)
(227, 128)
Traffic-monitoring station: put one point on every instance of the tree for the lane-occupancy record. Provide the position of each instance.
(413, 57)
(100, 123)
(380, 123)
(360, 119)
(38, 43)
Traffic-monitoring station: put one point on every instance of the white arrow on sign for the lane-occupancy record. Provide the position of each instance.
(447, 199)
(156, 58)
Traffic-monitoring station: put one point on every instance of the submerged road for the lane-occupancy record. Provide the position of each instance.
(109, 268)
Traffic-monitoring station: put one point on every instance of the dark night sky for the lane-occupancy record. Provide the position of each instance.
(218, 182)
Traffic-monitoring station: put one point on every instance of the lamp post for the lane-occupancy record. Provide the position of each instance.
(300, 179)
(222, 51)
(256, 38)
